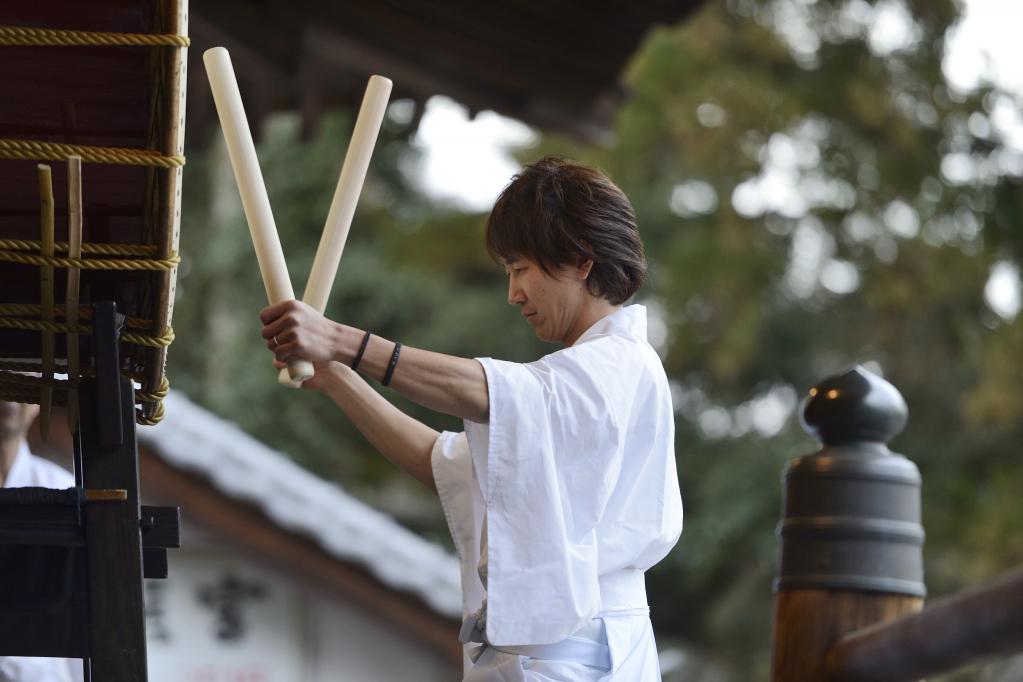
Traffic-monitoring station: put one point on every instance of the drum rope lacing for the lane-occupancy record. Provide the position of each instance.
(38, 150)
(16, 36)
(23, 388)
(31, 389)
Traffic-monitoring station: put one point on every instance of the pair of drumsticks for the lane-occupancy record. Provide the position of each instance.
(256, 203)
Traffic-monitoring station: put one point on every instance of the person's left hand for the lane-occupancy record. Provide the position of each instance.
(321, 380)
(293, 329)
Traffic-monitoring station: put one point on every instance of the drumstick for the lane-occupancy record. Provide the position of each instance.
(346, 197)
(255, 202)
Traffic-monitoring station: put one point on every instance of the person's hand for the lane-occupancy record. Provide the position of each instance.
(326, 372)
(293, 329)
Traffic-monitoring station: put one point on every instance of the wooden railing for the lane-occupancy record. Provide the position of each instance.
(849, 603)
(979, 624)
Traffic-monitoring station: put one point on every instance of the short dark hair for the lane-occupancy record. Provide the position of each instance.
(559, 212)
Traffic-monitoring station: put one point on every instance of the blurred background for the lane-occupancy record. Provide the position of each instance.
(817, 184)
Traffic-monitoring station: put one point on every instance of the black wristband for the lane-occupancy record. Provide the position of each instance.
(362, 349)
(394, 363)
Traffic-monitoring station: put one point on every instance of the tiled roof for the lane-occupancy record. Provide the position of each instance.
(193, 439)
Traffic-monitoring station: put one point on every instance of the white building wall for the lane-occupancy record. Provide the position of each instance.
(354, 648)
(221, 618)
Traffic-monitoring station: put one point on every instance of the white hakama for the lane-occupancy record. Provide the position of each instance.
(559, 504)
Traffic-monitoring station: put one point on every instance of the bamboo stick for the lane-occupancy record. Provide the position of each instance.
(74, 237)
(46, 292)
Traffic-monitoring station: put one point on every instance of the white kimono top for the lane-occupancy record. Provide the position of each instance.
(29, 471)
(559, 504)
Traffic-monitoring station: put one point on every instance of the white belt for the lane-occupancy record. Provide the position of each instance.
(587, 645)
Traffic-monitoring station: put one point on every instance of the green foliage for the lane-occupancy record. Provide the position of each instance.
(710, 101)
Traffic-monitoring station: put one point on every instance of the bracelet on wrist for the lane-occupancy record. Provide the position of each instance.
(392, 365)
(362, 350)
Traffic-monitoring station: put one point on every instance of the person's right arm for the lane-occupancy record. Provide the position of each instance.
(444, 383)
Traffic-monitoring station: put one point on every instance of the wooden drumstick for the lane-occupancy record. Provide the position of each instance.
(255, 201)
(346, 197)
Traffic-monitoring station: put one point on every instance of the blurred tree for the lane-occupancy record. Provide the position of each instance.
(812, 193)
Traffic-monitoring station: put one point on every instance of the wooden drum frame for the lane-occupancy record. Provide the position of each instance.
(103, 81)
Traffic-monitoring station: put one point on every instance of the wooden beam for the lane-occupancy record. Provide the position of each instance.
(587, 118)
(513, 59)
(470, 53)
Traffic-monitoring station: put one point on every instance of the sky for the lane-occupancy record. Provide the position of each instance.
(467, 162)
(986, 45)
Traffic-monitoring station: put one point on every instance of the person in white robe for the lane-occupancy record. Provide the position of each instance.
(562, 489)
(19, 468)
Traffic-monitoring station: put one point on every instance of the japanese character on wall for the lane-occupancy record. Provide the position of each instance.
(227, 597)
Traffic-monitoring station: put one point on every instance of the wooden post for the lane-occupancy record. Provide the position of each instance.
(851, 539)
(117, 626)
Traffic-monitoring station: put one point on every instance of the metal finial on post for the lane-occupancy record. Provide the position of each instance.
(854, 407)
(851, 539)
